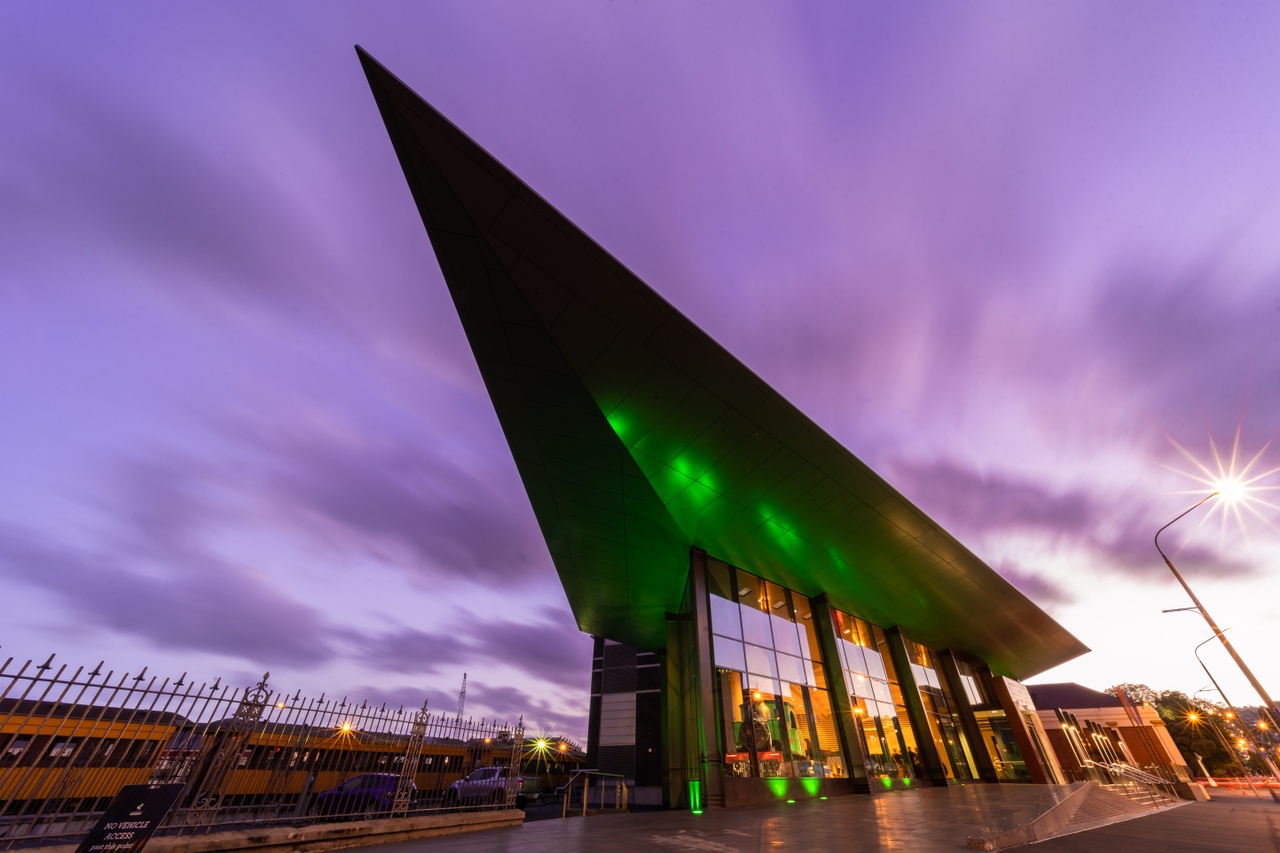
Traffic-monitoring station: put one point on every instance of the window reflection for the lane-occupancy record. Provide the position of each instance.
(761, 662)
(940, 712)
(776, 716)
(728, 654)
(724, 618)
(755, 627)
(879, 712)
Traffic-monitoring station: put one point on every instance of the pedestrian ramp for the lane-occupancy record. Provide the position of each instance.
(1089, 805)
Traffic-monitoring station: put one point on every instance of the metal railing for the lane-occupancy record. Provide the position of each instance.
(1138, 786)
(618, 788)
(71, 739)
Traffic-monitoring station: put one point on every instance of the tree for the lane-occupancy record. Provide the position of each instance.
(1140, 693)
(1197, 727)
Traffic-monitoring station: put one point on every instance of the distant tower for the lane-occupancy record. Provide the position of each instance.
(462, 696)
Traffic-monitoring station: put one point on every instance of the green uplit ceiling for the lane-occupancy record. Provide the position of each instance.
(637, 436)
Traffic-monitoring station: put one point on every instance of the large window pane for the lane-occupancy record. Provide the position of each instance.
(973, 687)
(771, 712)
(718, 579)
(784, 635)
(814, 674)
(866, 637)
(724, 618)
(728, 654)
(828, 760)
(875, 664)
(762, 686)
(778, 601)
(761, 662)
(875, 746)
(735, 704)
(906, 739)
(750, 590)
(785, 638)
(852, 654)
(755, 626)
(798, 744)
(803, 610)
(791, 669)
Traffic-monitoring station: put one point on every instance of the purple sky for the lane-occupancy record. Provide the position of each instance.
(1006, 253)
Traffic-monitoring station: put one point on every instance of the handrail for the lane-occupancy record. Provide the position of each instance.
(1130, 772)
(1151, 783)
(619, 790)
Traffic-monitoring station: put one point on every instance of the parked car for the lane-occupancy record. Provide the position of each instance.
(485, 785)
(366, 795)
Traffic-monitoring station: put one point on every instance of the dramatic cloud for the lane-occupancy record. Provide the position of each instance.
(392, 494)
(1192, 339)
(541, 715)
(1035, 586)
(999, 251)
(203, 605)
(978, 506)
(411, 651)
(550, 648)
(984, 501)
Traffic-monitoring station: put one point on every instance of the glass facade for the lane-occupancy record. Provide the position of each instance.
(775, 711)
(776, 716)
(941, 713)
(880, 715)
(997, 736)
(972, 685)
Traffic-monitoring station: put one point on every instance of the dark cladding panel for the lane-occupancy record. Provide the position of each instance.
(582, 359)
(545, 296)
(620, 759)
(619, 679)
(648, 754)
(619, 656)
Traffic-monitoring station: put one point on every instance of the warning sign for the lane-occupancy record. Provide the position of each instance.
(131, 819)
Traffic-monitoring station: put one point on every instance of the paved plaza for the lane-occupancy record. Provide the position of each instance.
(933, 819)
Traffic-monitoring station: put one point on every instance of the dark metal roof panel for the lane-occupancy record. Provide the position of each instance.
(638, 436)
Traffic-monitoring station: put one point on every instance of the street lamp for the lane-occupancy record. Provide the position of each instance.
(1233, 710)
(1235, 756)
(1217, 632)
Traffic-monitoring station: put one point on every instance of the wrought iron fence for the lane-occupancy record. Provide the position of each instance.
(70, 740)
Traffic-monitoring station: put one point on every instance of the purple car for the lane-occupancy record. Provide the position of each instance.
(366, 795)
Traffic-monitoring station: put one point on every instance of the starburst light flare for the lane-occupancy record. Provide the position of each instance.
(1236, 483)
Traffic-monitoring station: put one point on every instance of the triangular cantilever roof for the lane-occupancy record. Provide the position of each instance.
(637, 436)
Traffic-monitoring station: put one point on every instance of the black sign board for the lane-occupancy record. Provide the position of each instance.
(131, 818)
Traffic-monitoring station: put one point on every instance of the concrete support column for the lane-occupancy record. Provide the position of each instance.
(710, 756)
(675, 720)
(985, 769)
(934, 770)
(841, 705)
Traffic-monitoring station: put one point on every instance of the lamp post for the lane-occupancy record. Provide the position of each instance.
(1235, 756)
(1217, 632)
(1247, 733)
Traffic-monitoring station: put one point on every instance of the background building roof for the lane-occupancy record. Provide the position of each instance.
(1069, 695)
